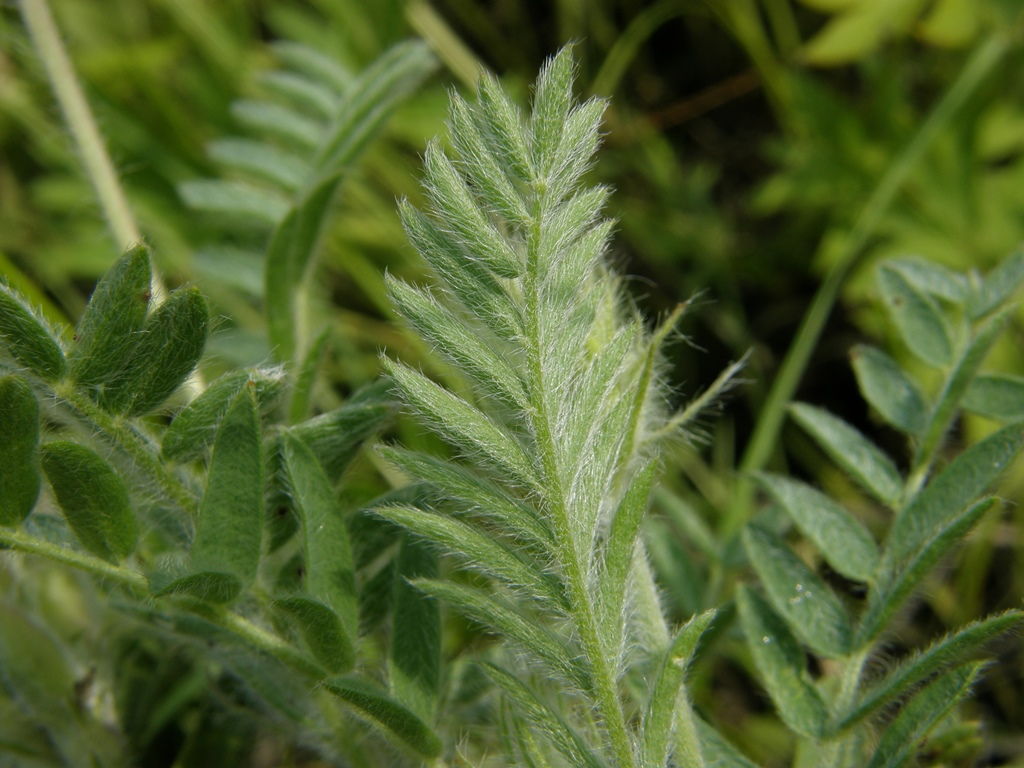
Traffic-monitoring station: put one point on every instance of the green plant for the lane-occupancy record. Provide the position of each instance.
(226, 534)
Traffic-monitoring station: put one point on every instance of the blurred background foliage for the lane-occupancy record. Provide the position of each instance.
(745, 140)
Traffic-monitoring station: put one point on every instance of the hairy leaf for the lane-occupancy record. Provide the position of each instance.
(376, 706)
(842, 539)
(322, 631)
(997, 396)
(93, 498)
(782, 665)
(920, 715)
(27, 339)
(415, 659)
(852, 451)
(808, 604)
(917, 317)
(930, 662)
(167, 350)
(967, 477)
(328, 555)
(505, 619)
(194, 427)
(662, 706)
(106, 336)
(568, 741)
(888, 390)
(229, 532)
(19, 450)
(479, 551)
(998, 286)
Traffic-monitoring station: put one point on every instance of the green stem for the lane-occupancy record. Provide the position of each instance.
(605, 684)
(237, 625)
(102, 569)
(99, 168)
(766, 434)
(835, 752)
(132, 443)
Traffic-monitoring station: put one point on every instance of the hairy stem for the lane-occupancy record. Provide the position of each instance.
(22, 542)
(132, 443)
(582, 605)
(237, 625)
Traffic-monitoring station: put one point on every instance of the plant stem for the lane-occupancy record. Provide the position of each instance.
(138, 583)
(582, 603)
(102, 569)
(765, 438)
(98, 166)
(128, 440)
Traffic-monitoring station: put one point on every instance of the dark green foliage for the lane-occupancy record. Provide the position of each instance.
(26, 339)
(106, 337)
(377, 706)
(93, 498)
(19, 450)
(194, 427)
(167, 349)
(228, 534)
